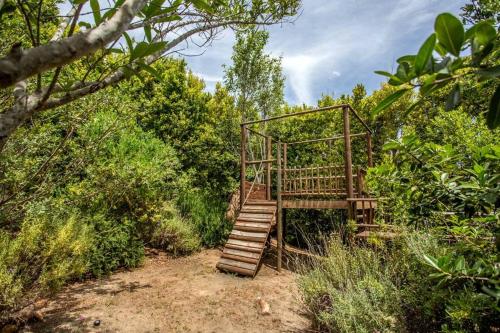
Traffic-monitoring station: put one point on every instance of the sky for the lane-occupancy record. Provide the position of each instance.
(335, 44)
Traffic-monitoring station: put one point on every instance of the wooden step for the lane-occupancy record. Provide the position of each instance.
(248, 236)
(235, 269)
(239, 258)
(255, 216)
(254, 227)
(238, 244)
(261, 203)
(253, 220)
(241, 253)
(259, 210)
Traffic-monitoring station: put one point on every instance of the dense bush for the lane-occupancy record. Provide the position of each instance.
(51, 247)
(350, 290)
(207, 214)
(393, 289)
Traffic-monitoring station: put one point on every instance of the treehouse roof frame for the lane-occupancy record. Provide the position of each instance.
(301, 113)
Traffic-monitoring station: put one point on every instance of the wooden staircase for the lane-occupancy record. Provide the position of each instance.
(245, 246)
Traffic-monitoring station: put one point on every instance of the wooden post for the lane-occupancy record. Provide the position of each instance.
(348, 160)
(280, 216)
(284, 167)
(269, 156)
(243, 165)
(369, 148)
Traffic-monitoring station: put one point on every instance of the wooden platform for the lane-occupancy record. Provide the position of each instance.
(245, 246)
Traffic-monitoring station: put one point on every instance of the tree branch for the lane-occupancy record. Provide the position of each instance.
(67, 50)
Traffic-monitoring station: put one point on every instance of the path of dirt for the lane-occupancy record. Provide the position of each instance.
(177, 295)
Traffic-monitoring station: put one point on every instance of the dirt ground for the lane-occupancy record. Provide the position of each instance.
(178, 295)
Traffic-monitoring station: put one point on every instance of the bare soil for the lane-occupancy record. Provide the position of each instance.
(178, 295)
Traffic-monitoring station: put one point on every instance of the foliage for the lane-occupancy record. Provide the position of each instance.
(207, 214)
(255, 78)
(174, 233)
(451, 67)
(351, 290)
(51, 248)
(203, 128)
(116, 245)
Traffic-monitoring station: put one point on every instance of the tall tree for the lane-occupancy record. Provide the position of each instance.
(167, 25)
(255, 78)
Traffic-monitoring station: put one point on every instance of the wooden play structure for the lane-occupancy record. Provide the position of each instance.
(277, 186)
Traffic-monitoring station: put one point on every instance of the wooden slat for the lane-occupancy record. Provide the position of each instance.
(242, 253)
(234, 269)
(261, 203)
(255, 216)
(244, 248)
(248, 236)
(262, 228)
(239, 258)
(318, 204)
(235, 263)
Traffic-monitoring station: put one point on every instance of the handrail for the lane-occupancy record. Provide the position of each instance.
(260, 161)
(325, 139)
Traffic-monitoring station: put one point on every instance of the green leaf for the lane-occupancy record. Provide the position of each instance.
(440, 49)
(202, 5)
(388, 101)
(144, 49)
(96, 11)
(454, 97)
(169, 19)
(409, 59)
(424, 54)
(489, 73)
(432, 262)
(484, 33)
(150, 70)
(450, 32)
(384, 73)
(493, 117)
(147, 32)
(129, 41)
(84, 24)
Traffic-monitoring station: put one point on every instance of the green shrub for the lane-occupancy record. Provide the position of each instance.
(173, 233)
(116, 245)
(207, 216)
(350, 290)
(50, 248)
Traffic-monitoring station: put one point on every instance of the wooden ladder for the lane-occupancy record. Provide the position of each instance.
(245, 246)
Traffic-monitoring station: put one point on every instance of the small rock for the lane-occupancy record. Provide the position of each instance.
(265, 308)
(38, 315)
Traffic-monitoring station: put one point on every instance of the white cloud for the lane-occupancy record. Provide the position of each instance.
(351, 38)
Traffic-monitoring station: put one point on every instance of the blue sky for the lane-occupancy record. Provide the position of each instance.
(336, 44)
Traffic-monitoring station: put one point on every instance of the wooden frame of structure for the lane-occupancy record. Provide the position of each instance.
(321, 182)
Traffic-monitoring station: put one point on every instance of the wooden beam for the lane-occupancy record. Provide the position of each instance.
(280, 210)
(243, 166)
(369, 148)
(337, 137)
(269, 156)
(359, 118)
(316, 204)
(259, 162)
(348, 159)
(326, 108)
